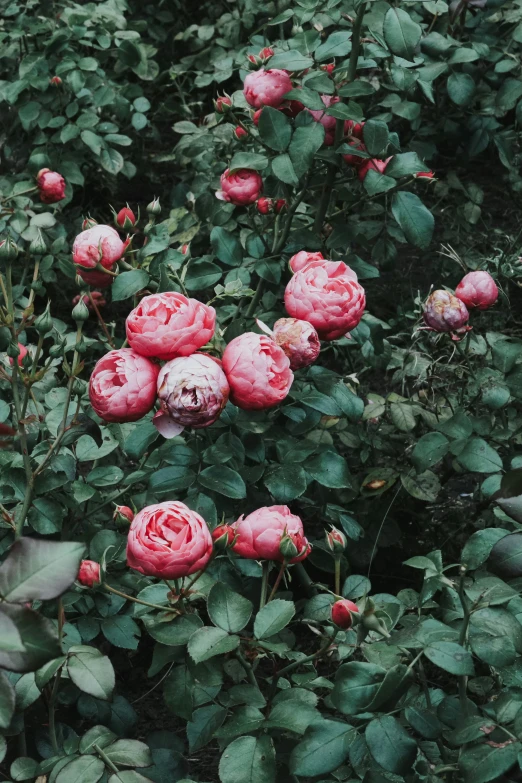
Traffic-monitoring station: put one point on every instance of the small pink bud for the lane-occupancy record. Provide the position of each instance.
(240, 133)
(424, 175)
(223, 537)
(125, 218)
(264, 205)
(372, 164)
(222, 104)
(280, 205)
(89, 573)
(336, 541)
(328, 68)
(88, 222)
(55, 81)
(184, 249)
(123, 515)
(342, 613)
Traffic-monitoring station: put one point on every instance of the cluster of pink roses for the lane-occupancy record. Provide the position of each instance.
(445, 312)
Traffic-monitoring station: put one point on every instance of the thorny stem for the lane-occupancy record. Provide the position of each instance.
(277, 581)
(248, 668)
(52, 705)
(264, 583)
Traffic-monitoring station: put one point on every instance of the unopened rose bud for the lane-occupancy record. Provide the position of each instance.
(184, 249)
(38, 246)
(57, 350)
(223, 537)
(342, 613)
(222, 103)
(80, 387)
(8, 250)
(55, 81)
(125, 218)
(89, 574)
(154, 208)
(240, 133)
(44, 323)
(328, 68)
(123, 515)
(288, 548)
(88, 222)
(477, 289)
(424, 175)
(80, 312)
(280, 205)
(264, 205)
(16, 351)
(336, 541)
(266, 53)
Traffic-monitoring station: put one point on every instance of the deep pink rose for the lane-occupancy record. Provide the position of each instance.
(192, 390)
(51, 186)
(89, 573)
(122, 386)
(259, 535)
(302, 259)
(355, 129)
(168, 541)
(326, 121)
(97, 245)
(477, 289)
(266, 88)
(342, 613)
(356, 160)
(126, 219)
(299, 341)
(444, 312)
(241, 187)
(328, 296)
(257, 370)
(169, 325)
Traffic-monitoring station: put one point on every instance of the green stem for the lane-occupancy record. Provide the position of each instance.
(248, 669)
(338, 575)
(106, 760)
(264, 583)
(139, 601)
(100, 320)
(277, 581)
(463, 680)
(305, 580)
(52, 706)
(15, 195)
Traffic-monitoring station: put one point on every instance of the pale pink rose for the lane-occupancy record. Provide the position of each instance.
(302, 259)
(168, 541)
(169, 325)
(328, 296)
(266, 88)
(257, 370)
(97, 245)
(89, 573)
(122, 386)
(299, 341)
(258, 536)
(192, 390)
(241, 187)
(51, 186)
(444, 312)
(326, 121)
(477, 289)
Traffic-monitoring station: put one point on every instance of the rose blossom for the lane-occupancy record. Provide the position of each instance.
(222, 103)
(97, 245)
(241, 187)
(240, 133)
(328, 296)
(302, 259)
(257, 370)
(21, 355)
(122, 386)
(326, 120)
(168, 325)
(477, 289)
(89, 573)
(169, 541)
(259, 534)
(342, 613)
(352, 128)
(97, 297)
(444, 312)
(51, 186)
(192, 390)
(299, 341)
(264, 205)
(266, 88)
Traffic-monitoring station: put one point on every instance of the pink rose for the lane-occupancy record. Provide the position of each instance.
(328, 296)
(168, 541)
(302, 259)
(258, 536)
(169, 325)
(354, 129)
(192, 390)
(123, 514)
(126, 218)
(299, 341)
(89, 573)
(424, 175)
(266, 88)
(477, 289)
(223, 536)
(356, 160)
(372, 164)
(222, 103)
(241, 187)
(326, 121)
(122, 386)
(257, 371)
(342, 613)
(444, 312)
(51, 186)
(97, 245)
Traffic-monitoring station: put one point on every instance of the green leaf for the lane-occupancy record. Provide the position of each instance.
(337, 44)
(356, 684)
(429, 450)
(98, 735)
(355, 586)
(171, 479)
(142, 436)
(179, 692)
(111, 160)
(305, 143)
(285, 482)
(39, 570)
(286, 717)
(291, 61)
(176, 633)
(7, 701)
(451, 657)
(121, 631)
(129, 283)
(202, 274)
(39, 638)
(208, 642)
(483, 763)
(204, 724)
(478, 547)
(283, 169)
(91, 672)
(129, 753)
(272, 618)
(497, 652)
(248, 160)
(506, 556)
(478, 456)
(405, 164)
(424, 722)
(461, 88)
(24, 768)
(413, 217)
(320, 402)
(323, 749)
(248, 760)
(375, 182)
(309, 98)
(401, 33)
(375, 136)
(223, 480)
(85, 769)
(106, 476)
(226, 246)
(351, 405)
(329, 469)
(275, 129)
(390, 745)
(227, 609)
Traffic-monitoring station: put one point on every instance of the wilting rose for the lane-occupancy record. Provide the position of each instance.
(98, 299)
(477, 289)
(122, 386)
(257, 370)
(444, 312)
(123, 514)
(328, 296)
(373, 164)
(303, 259)
(169, 325)
(326, 120)
(97, 245)
(258, 535)
(192, 390)
(342, 613)
(89, 573)
(126, 218)
(168, 541)
(51, 186)
(299, 340)
(241, 187)
(266, 88)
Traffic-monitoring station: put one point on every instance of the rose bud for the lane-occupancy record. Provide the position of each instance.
(328, 296)
(222, 104)
(168, 541)
(44, 322)
(223, 537)
(288, 549)
(98, 299)
(257, 370)
(266, 88)
(37, 246)
(122, 386)
(20, 354)
(256, 115)
(55, 81)
(326, 121)
(356, 160)
(264, 205)
(8, 251)
(125, 218)
(299, 341)
(168, 325)
(88, 222)
(328, 68)
(302, 259)
(260, 533)
(184, 249)
(266, 53)
(477, 289)
(89, 573)
(240, 187)
(51, 186)
(372, 164)
(154, 208)
(123, 515)
(280, 205)
(192, 390)
(80, 313)
(336, 541)
(424, 175)
(97, 245)
(352, 128)
(240, 133)
(444, 312)
(342, 613)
